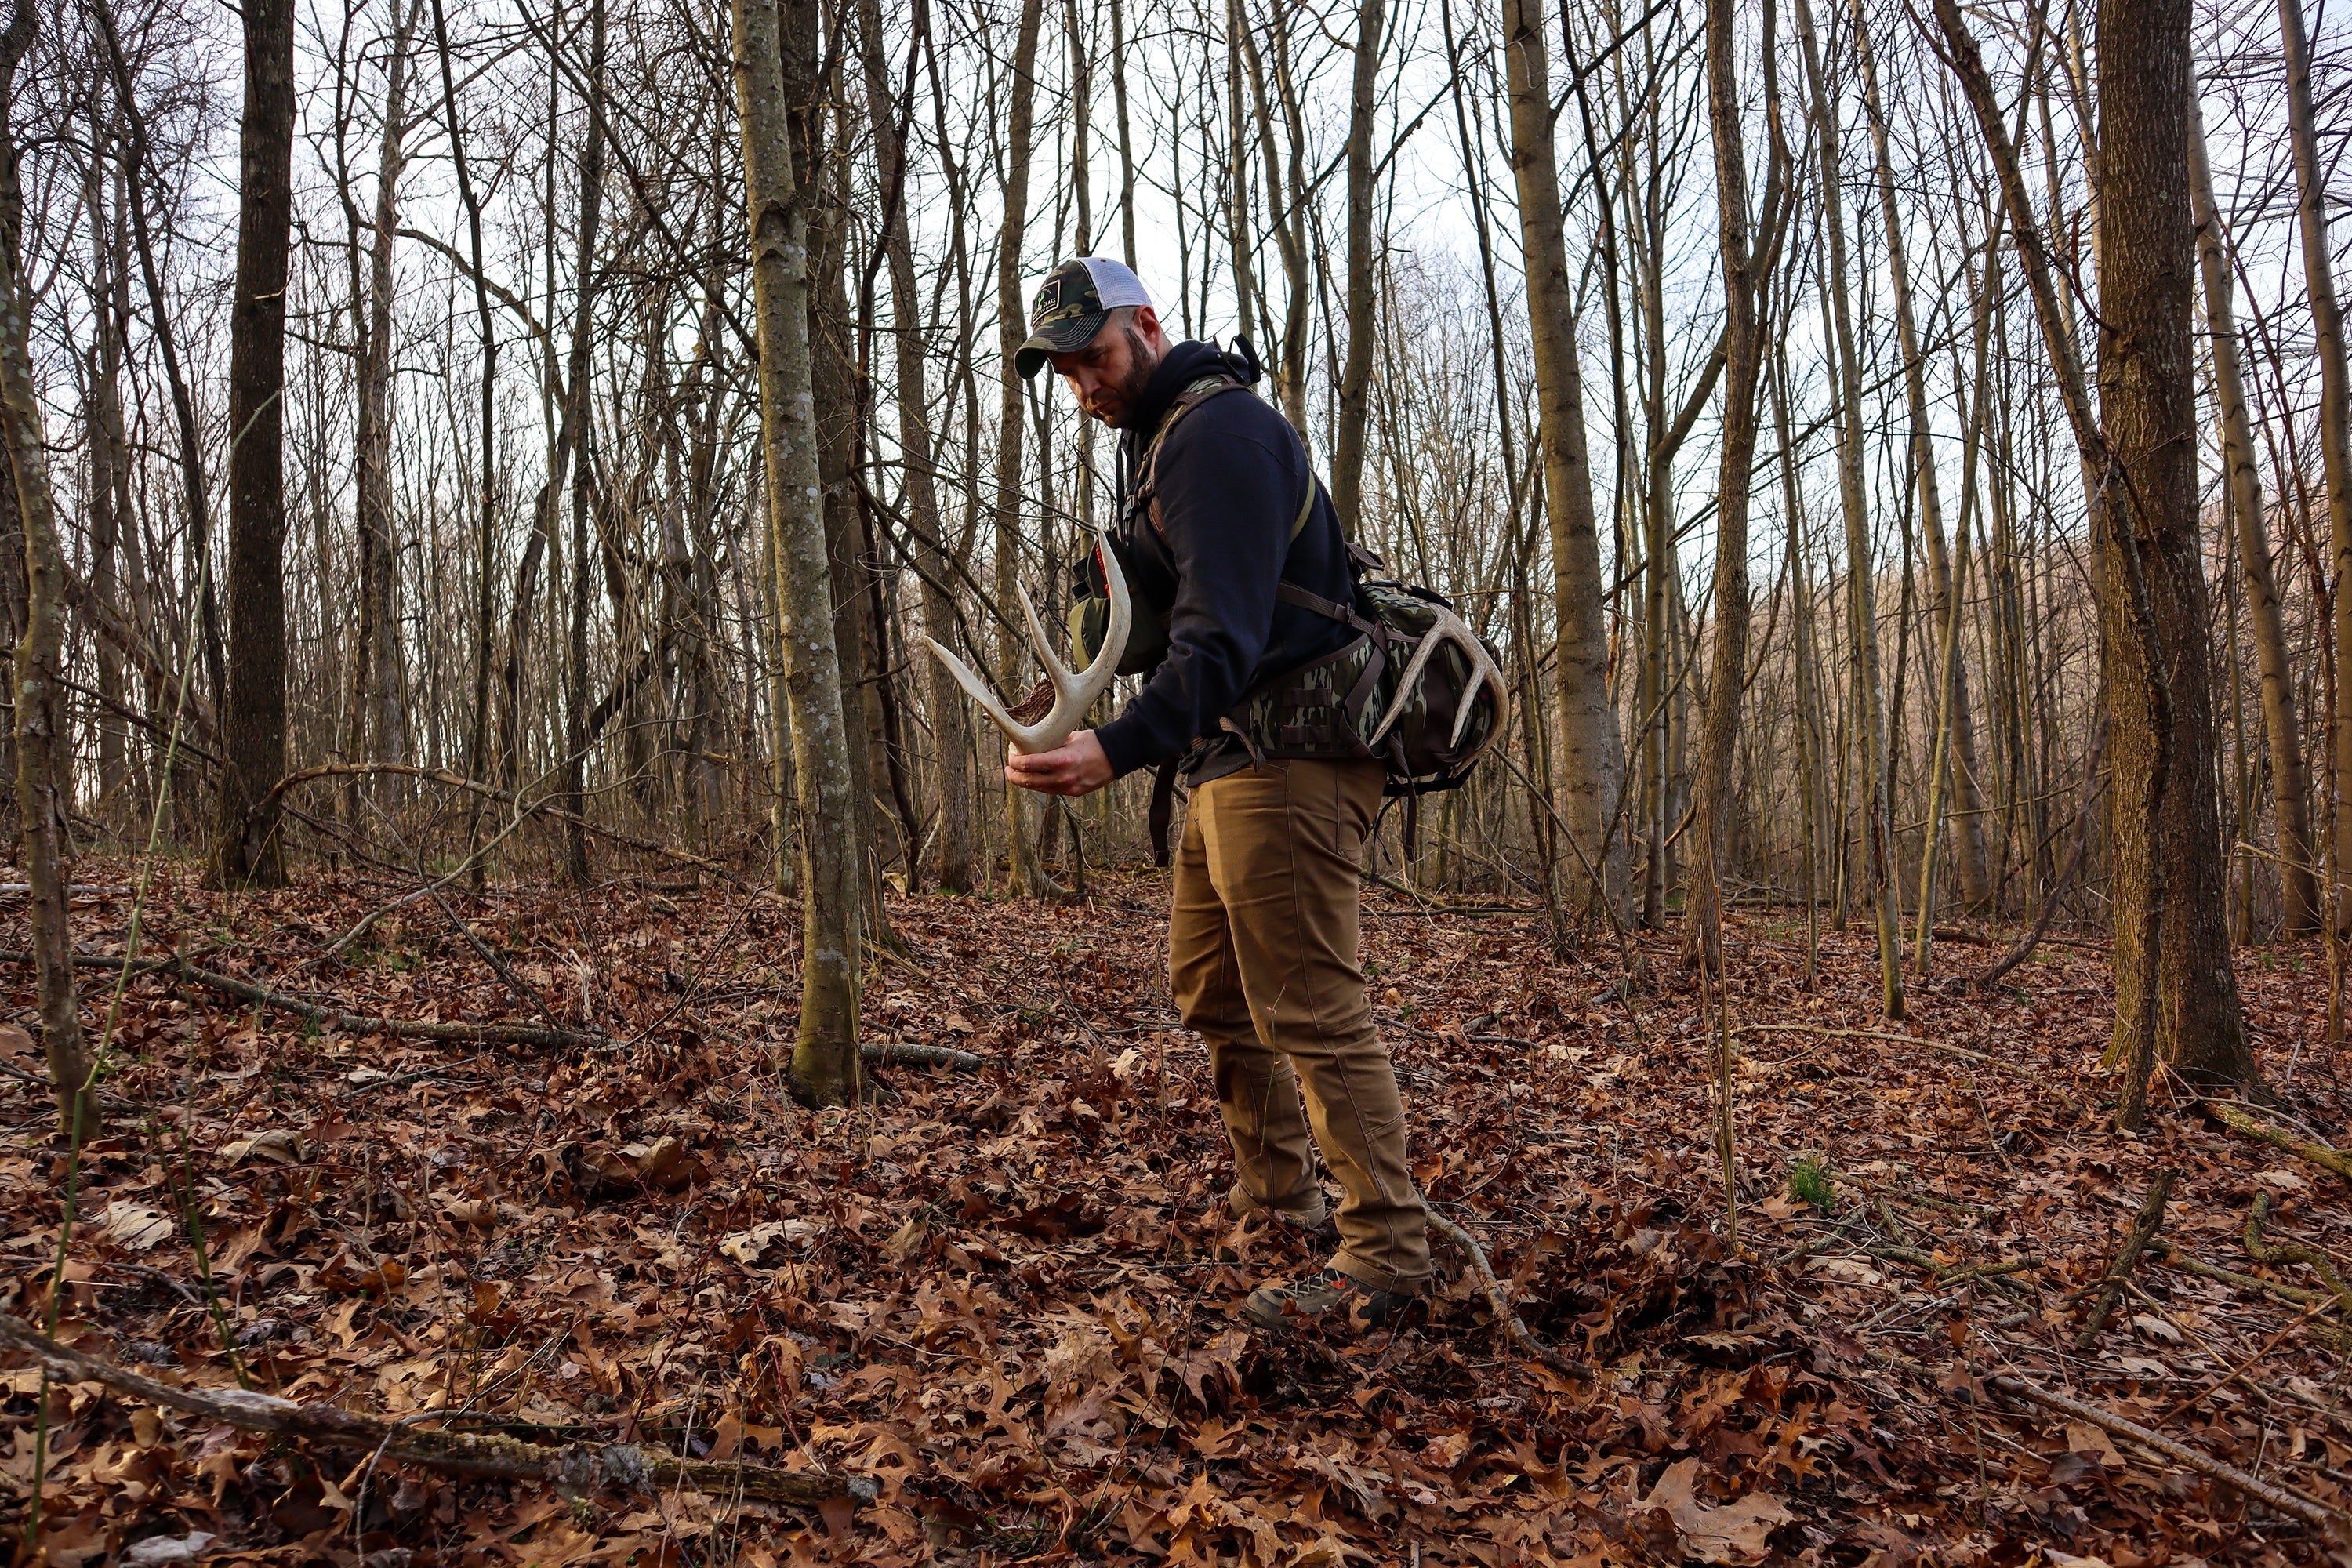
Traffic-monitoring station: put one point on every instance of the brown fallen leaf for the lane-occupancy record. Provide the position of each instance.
(662, 1165)
(134, 1228)
(278, 1146)
(1734, 1534)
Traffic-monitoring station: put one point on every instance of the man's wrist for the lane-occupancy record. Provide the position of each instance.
(1122, 743)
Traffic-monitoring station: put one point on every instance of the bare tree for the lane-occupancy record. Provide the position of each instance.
(247, 850)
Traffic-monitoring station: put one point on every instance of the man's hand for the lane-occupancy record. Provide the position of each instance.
(1076, 767)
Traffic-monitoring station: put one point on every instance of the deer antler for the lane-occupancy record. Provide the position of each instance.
(1447, 626)
(1074, 692)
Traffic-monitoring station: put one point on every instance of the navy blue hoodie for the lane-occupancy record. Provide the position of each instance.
(1230, 481)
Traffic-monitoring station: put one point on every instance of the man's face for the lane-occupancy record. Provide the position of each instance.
(1109, 375)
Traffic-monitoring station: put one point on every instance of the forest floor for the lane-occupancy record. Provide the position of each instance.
(1005, 1298)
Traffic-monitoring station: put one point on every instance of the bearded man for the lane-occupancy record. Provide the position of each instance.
(1236, 548)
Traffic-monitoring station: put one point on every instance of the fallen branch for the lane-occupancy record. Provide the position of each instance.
(2294, 1504)
(330, 1018)
(2279, 1500)
(1520, 1333)
(904, 1052)
(2276, 1253)
(2236, 1119)
(2172, 1257)
(574, 1469)
(2143, 1231)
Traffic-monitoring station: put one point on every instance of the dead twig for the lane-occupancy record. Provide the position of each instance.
(574, 1469)
(1518, 1332)
(2143, 1231)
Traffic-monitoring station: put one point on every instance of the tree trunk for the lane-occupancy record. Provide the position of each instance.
(40, 657)
(195, 489)
(108, 485)
(2176, 887)
(1870, 718)
(1364, 269)
(374, 727)
(1028, 872)
(1742, 355)
(2290, 780)
(245, 851)
(2335, 396)
(2184, 993)
(824, 1065)
(1967, 797)
(1590, 761)
(946, 701)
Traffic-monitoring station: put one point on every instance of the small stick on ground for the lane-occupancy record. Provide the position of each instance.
(576, 1467)
(2143, 1231)
(1521, 1334)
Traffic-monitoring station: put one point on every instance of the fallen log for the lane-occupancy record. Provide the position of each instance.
(575, 1471)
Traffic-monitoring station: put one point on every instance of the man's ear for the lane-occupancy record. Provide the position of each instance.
(1147, 326)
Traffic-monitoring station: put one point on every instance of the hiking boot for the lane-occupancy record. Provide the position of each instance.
(1330, 1296)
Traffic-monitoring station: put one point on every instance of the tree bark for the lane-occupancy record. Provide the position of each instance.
(1590, 761)
(245, 851)
(40, 657)
(951, 741)
(2176, 887)
(1742, 356)
(825, 1064)
(1028, 871)
(1364, 268)
(2290, 779)
(2335, 396)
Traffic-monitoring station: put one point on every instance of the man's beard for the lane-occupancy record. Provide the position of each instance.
(1141, 365)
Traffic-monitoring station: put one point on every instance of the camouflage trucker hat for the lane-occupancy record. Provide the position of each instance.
(1072, 305)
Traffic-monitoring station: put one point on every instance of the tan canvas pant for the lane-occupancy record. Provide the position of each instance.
(1262, 958)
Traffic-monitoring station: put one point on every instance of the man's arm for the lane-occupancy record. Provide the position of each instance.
(1227, 499)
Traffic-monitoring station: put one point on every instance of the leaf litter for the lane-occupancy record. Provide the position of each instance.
(1010, 1296)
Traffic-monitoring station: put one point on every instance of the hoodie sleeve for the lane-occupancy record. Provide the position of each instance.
(1227, 499)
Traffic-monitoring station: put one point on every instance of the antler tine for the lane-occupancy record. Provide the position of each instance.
(1074, 693)
(1446, 627)
(974, 688)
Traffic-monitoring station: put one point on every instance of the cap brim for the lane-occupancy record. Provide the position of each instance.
(1061, 338)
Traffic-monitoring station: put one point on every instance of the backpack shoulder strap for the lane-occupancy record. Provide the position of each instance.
(1146, 499)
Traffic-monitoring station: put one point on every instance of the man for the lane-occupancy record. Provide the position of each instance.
(1263, 933)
